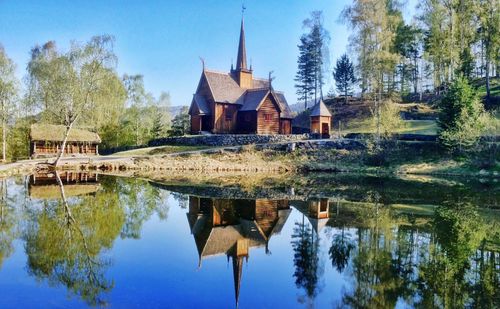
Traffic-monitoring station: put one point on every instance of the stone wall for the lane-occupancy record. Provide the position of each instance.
(227, 139)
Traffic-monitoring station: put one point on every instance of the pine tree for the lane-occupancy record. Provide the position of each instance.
(344, 76)
(407, 45)
(157, 129)
(305, 73)
(180, 123)
(318, 40)
(462, 117)
(466, 63)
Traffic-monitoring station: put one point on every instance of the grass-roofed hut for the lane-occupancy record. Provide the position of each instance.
(46, 141)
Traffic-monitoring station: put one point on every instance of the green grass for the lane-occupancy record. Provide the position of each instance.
(427, 127)
(494, 87)
(158, 150)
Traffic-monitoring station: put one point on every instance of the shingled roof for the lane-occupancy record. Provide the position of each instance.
(286, 112)
(201, 105)
(226, 90)
(223, 87)
(320, 109)
(55, 133)
(253, 98)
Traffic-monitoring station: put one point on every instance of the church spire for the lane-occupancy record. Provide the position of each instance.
(237, 271)
(241, 60)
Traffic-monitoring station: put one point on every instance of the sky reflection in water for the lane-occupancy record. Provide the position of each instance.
(129, 243)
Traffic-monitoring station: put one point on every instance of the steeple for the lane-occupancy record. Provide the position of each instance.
(237, 271)
(241, 74)
(241, 60)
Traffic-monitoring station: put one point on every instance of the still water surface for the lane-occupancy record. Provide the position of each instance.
(330, 242)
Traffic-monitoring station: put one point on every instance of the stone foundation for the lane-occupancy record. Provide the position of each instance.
(224, 140)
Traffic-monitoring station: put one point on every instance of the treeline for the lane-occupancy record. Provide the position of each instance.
(448, 49)
(80, 87)
(444, 40)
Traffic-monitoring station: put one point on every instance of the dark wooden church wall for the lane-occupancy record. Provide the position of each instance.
(268, 118)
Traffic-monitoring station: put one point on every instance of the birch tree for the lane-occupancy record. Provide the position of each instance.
(374, 23)
(8, 95)
(71, 85)
(489, 35)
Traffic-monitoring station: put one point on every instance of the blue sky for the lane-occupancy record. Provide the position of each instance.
(163, 40)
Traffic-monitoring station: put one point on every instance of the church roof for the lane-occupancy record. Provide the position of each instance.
(253, 98)
(223, 87)
(320, 109)
(286, 112)
(201, 105)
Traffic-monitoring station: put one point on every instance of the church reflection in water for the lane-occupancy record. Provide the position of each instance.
(232, 227)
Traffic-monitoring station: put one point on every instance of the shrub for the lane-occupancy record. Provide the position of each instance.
(390, 119)
(462, 118)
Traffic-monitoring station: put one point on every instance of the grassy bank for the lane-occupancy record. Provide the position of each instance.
(393, 158)
(414, 158)
(160, 150)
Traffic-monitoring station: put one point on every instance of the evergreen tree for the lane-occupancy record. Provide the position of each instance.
(466, 63)
(180, 123)
(344, 76)
(407, 45)
(305, 74)
(157, 129)
(461, 117)
(318, 40)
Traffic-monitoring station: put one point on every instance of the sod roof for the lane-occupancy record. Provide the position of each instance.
(55, 133)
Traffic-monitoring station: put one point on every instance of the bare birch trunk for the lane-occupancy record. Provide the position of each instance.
(63, 146)
(4, 140)
(4, 131)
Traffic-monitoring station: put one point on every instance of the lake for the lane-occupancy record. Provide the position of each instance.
(312, 241)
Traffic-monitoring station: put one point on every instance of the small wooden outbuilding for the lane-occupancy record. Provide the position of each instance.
(321, 120)
(46, 141)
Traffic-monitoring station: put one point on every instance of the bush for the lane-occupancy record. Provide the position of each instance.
(462, 118)
(390, 119)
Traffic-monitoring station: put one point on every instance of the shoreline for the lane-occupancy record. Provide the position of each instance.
(239, 161)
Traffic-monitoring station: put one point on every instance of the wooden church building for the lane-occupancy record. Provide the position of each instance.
(237, 102)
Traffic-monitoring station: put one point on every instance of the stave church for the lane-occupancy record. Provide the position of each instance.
(238, 103)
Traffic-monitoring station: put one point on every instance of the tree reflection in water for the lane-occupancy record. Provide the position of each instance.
(444, 262)
(305, 244)
(66, 244)
(8, 220)
(387, 255)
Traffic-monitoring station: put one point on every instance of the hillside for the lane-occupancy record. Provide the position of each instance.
(358, 111)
